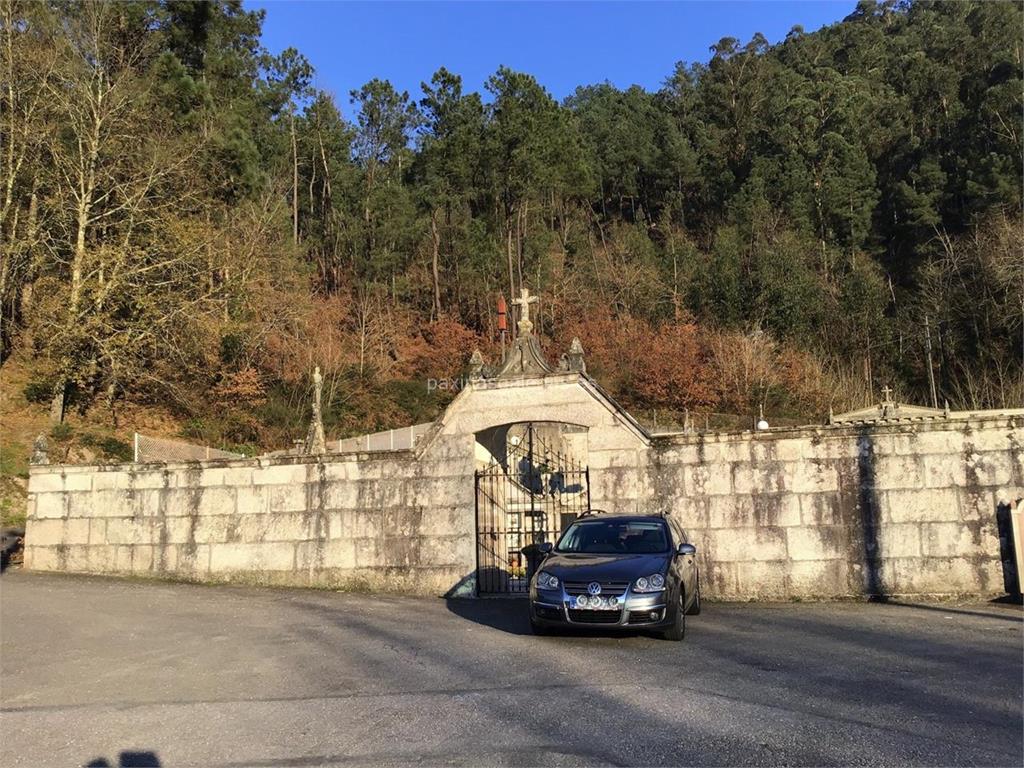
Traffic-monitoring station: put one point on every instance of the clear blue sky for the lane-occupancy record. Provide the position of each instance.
(563, 44)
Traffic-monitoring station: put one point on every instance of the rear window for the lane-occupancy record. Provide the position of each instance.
(611, 537)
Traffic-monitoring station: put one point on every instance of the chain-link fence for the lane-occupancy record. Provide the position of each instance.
(158, 449)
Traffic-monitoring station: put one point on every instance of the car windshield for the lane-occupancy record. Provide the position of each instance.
(613, 537)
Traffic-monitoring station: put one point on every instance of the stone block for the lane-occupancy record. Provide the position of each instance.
(43, 558)
(692, 513)
(126, 530)
(730, 511)
(914, 506)
(272, 556)
(342, 495)
(831, 447)
(367, 552)
(707, 480)
(49, 505)
(719, 580)
(78, 481)
(989, 469)
(745, 544)
(792, 449)
(45, 481)
(811, 477)
(144, 502)
(776, 509)
(174, 530)
(142, 558)
(945, 470)
(108, 558)
(218, 501)
(403, 521)
(943, 576)
(252, 499)
(279, 474)
(762, 580)
(457, 551)
(950, 442)
(110, 480)
(287, 498)
(899, 540)
(213, 529)
(756, 478)
(898, 471)
(332, 553)
(818, 579)
(826, 542)
(149, 480)
(341, 470)
(977, 504)
(44, 532)
(823, 509)
(974, 539)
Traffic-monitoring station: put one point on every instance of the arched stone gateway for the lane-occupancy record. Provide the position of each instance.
(900, 501)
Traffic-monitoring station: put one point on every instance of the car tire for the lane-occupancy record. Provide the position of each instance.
(694, 609)
(678, 629)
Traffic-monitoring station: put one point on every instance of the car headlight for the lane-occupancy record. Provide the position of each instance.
(653, 583)
(546, 581)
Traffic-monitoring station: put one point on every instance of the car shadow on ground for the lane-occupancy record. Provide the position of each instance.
(511, 615)
(128, 759)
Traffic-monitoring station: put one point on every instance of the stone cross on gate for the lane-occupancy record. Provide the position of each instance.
(886, 394)
(525, 300)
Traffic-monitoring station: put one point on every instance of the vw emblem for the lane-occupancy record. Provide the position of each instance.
(594, 588)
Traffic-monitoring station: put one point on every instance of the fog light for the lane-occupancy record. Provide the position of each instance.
(654, 615)
(581, 601)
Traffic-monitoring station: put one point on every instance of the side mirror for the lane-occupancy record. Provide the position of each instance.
(687, 549)
(545, 548)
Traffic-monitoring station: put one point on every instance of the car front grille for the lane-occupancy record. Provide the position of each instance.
(594, 617)
(607, 587)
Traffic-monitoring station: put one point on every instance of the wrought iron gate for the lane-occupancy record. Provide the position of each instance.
(529, 498)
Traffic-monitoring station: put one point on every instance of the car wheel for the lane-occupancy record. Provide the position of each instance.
(695, 607)
(678, 629)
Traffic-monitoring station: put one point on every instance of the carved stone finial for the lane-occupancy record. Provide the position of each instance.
(575, 356)
(316, 443)
(945, 409)
(831, 415)
(476, 366)
(39, 451)
(524, 301)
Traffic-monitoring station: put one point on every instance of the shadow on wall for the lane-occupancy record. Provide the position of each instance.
(867, 504)
(128, 759)
(1004, 524)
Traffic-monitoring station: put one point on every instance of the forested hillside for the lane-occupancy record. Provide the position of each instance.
(187, 223)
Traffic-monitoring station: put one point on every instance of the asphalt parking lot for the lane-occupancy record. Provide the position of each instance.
(108, 672)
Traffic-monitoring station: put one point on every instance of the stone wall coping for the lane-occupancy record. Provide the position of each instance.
(403, 454)
(846, 429)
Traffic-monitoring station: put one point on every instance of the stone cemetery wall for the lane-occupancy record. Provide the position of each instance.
(900, 509)
(360, 521)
